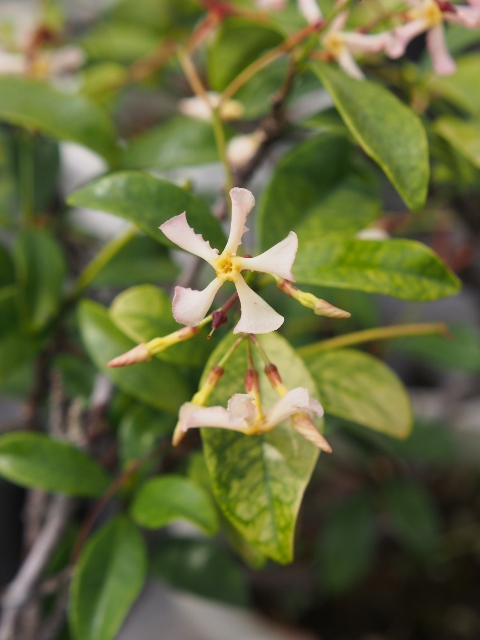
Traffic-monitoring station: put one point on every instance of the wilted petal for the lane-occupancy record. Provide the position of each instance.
(292, 402)
(241, 407)
(348, 64)
(443, 63)
(278, 260)
(242, 203)
(403, 35)
(190, 306)
(181, 233)
(257, 316)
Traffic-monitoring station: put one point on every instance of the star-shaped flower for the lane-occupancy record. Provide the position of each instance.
(190, 306)
(243, 414)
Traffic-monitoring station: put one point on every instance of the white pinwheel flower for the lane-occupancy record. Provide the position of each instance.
(191, 306)
(242, 413)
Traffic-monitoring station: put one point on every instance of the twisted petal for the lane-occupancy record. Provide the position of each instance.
(278, 260)
(292, 402)
(181, 233)
(190, 306)
(403, 35)
(241, 408)
(443, 63)
(257, 316)
(242, 203)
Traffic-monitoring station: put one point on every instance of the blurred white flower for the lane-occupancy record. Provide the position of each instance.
(198, 107)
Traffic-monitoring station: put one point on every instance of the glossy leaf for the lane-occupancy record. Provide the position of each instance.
(413, 516)
(358, 387)
(347, 544)
(168, 498)
(107, 579)
(178, 142)
(156, 383)
(237, 44)
(148, 202)
(36, 461)
(201, 567)
(145, 312)
(462, 87)
(141, 260)
(387, 130)
(405, 269)
(37, 106)
(40, 268)
(464, 136)
(258, 481)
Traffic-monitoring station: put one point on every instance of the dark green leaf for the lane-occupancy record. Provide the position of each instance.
(148, 202)
(6, 267)
(463, 135)
(16, 348)
(156, 383)
(202, 567)
(139, 431)
(107, 580)
(36, 461)
(259, 481)
(40, 268)
(8, 310)
(145, 312)
(178, 142)
(34, 105)
(347, 544)
(358, 387)
(413, 516)
(168, 498)
(141, 260)
(237, 44)
(405, 269)
(387, 130)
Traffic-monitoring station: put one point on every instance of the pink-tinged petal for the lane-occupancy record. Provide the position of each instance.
(257, 316)
(242, 203)
(403, 35)
(241, 407)
(338, 22)
(303, 424)
(206, 417)
(190, 306)
(474, 3)
(315, 407)
(443, 63)
(271, 5)
(362, 43)
(347, 62)
(468, 17)
(12, 63)
(278, 260)
(181, 233)
(292, 402)
(310, 10)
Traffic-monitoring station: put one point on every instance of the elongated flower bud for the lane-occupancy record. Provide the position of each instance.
(320, 307)
(139, 353)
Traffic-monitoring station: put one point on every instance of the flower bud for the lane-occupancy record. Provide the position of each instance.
(202, 395)
(320, 307)
(241, 149)
(251, 382)
(275, 379)
(139, 353)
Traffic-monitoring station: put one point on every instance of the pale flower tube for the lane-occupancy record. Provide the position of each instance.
(190, 306)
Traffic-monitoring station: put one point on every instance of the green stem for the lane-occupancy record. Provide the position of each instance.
(222, 150)
(103, 257)
(26, 177)
(371, 335)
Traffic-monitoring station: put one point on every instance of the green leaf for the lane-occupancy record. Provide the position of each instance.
(7, 274)
(41, 269)
(201, 567)
(301, 181)
(462, 87)
(168, 498)
(258, 481)
(148, 202)
(118, 41)
(358, 387)
(37, 106)
(405, 269)
(464, 136)
(238, 43)
(156, 383)
(178, 142)
(107, 579)
(387, 130)
(16, 348)
(347, 544)
(8, 310)
(36, 461)
(414, 516)
(141, 260)
(145, 312)
(139, 431)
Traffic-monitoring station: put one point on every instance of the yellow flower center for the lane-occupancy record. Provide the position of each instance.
(227, 267)
(333, 43)
(430, 12)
